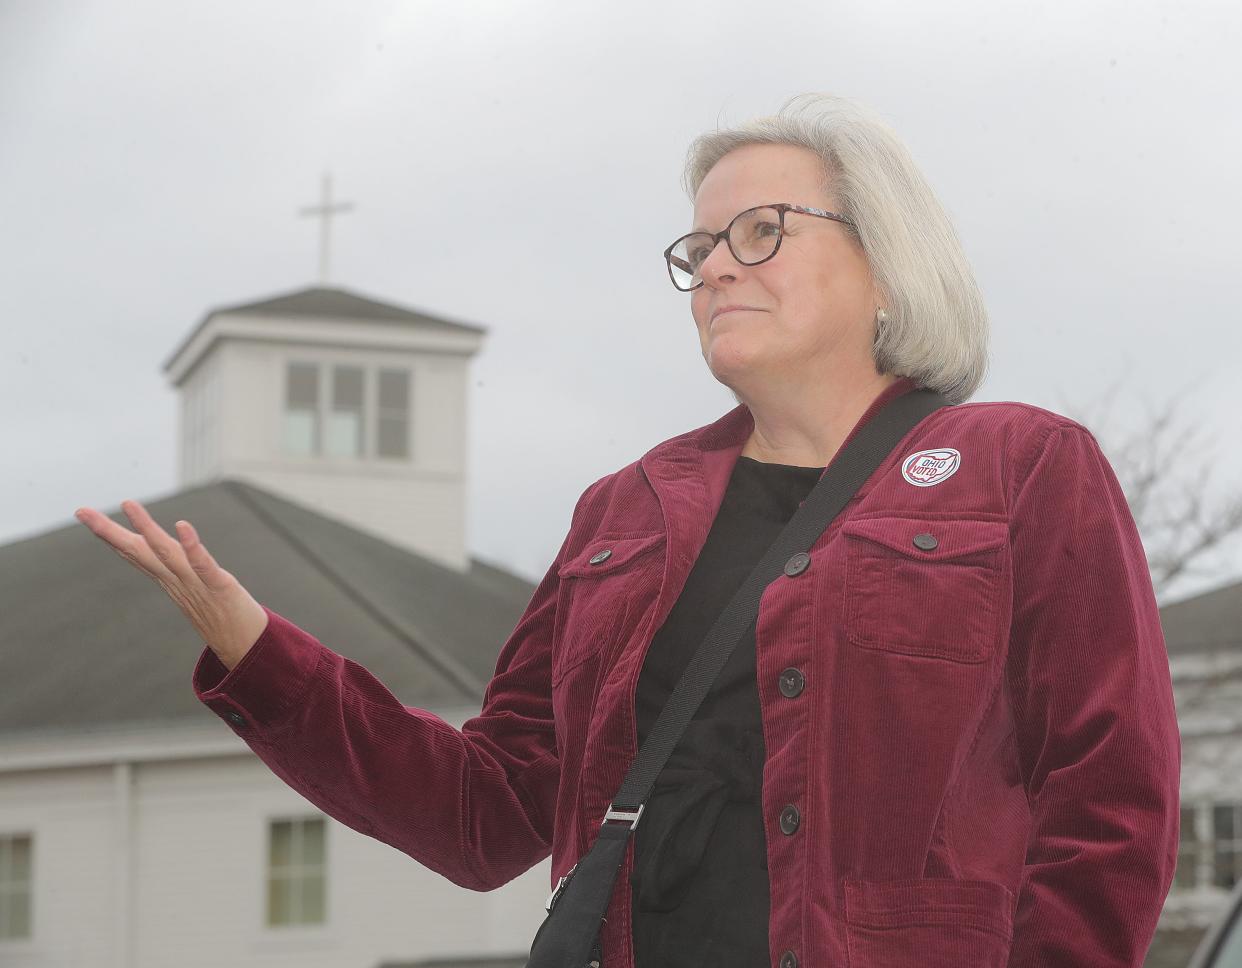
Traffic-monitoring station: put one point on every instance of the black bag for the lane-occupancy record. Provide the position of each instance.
(569, 935)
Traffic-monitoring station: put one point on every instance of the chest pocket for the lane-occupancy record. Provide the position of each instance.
(603, 588)
(926, 588)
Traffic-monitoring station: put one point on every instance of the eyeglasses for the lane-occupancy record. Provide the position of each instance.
(754, 236)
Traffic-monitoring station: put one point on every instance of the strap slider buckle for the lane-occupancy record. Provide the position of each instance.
(615, 813)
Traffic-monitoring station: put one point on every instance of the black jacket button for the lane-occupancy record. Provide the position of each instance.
(789, 960)
(790, 819)
(925, 541)
(601, 556)
(233, 716)
(797, 564)
(791, 682)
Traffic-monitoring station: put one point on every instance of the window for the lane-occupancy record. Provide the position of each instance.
(296, 875)
(1187, 873)
(335, 422)
(392, 432)
(1227, 840)
(344, 438)
(15, 886)
(1210, 848)
(301, 428)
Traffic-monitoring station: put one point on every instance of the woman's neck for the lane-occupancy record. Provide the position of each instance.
(808, 433)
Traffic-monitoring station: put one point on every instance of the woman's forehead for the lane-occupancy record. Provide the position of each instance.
(757, 175)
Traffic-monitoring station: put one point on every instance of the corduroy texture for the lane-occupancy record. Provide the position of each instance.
(985, 755)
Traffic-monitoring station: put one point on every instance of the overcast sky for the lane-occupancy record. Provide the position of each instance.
(153, 157)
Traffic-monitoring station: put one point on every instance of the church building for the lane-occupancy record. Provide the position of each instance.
(322, 458)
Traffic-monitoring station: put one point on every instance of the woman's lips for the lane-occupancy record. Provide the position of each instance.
(729, 311)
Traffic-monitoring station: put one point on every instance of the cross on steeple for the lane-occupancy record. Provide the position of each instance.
(325, 210)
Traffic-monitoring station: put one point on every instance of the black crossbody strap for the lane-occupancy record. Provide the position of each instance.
(577, 905)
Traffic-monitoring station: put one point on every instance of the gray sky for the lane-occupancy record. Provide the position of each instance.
(153, 157)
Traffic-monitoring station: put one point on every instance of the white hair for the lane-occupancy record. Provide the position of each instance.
(937, 326)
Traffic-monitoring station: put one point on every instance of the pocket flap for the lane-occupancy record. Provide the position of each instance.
(955, 538)
(609, 551)
(913, 900)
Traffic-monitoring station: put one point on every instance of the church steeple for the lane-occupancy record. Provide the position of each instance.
(352, 406)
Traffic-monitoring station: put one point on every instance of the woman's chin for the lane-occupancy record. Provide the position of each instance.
(729, 363)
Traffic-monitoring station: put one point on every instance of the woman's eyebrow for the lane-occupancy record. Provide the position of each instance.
(699, 228)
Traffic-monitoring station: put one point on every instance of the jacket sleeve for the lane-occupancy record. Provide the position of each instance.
(1095, 719)
(476, 805)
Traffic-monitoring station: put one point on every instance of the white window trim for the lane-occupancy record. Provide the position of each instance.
(11, 887)
(1207, 844)
(294, 872)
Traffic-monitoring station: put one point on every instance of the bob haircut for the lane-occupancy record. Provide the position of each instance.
(937, 326)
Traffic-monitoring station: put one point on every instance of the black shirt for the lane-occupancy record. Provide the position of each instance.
(700, 889)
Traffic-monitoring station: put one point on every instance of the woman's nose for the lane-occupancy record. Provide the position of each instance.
(718, 262)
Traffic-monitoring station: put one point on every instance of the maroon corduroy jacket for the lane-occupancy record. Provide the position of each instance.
(966, 695)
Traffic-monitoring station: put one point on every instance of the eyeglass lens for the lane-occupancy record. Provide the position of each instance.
(753, 236)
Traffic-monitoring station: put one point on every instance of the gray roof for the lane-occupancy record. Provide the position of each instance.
(335, 303)
(1203, 622)
(496, 961)
(93, 642)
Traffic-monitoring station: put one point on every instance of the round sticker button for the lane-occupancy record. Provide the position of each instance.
(929, 467)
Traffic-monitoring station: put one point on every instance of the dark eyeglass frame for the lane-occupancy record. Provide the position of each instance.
(781, 208)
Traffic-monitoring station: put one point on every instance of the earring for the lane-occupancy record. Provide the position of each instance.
(881, 316)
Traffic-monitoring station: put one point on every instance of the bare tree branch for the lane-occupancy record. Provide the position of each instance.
(1165, 466)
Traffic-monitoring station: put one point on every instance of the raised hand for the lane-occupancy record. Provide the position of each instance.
(224, 614)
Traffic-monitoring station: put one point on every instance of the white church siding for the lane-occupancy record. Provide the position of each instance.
(169, 867)
(1207, 689)
(198, 442)
(69, 816)
(391, 509)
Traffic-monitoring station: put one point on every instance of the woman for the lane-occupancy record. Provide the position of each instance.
(951, 740)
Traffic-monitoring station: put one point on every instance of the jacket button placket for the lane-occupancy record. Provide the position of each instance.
(791, 684)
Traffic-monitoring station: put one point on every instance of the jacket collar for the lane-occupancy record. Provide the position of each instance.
(731, 431)
(689, 473)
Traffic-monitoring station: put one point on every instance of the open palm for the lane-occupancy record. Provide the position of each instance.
(224, 614)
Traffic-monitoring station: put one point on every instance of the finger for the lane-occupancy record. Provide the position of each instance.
(167, 548)
(196, 553)
(130, 546)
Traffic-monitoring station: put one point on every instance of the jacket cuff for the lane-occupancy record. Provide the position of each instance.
(263, 689)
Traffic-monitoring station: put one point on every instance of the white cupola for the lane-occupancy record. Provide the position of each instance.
(348, 405)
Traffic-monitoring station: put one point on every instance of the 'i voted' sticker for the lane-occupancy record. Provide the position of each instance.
(929, 467)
